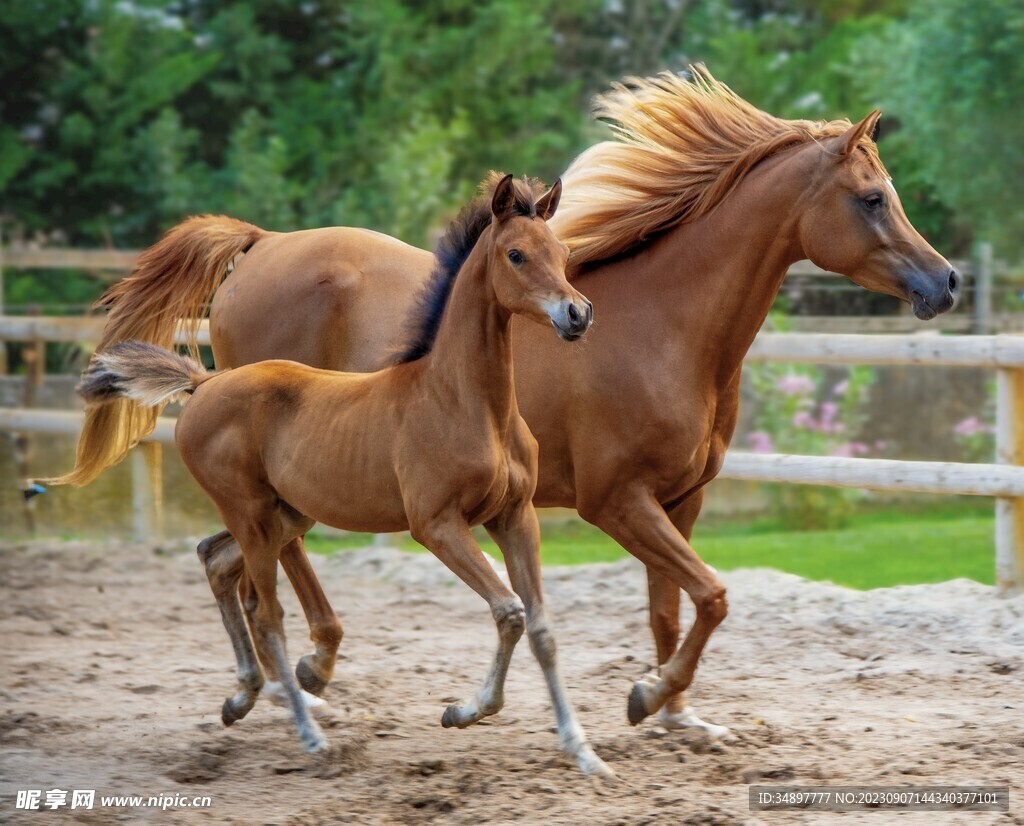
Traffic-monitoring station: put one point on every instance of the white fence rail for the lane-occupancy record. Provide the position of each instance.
(1004, 480)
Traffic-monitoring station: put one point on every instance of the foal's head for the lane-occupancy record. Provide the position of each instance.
(855, 224)
(527, 262)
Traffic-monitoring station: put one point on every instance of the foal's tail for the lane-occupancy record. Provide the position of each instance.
(172, 283)
(144, 373)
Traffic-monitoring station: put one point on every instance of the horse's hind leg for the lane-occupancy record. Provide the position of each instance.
(224, 565)
(519, 540)
(453, 544)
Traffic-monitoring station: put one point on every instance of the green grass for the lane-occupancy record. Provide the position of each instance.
(879, 548)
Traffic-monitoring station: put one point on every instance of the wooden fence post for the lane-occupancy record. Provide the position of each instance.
(983, 290)
(1010, 451)
(3, 344)
(147, 492)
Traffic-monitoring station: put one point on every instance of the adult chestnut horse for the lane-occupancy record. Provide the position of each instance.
(681, 233)
(433, 444)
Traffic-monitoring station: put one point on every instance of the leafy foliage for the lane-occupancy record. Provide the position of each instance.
(120, 117)
(953, 72)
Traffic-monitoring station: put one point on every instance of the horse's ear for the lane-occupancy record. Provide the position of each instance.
(868, 126)
(504, 198)
(548, 202)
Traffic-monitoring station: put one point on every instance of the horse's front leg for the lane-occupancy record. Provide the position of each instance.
(664, 615)
(518, 536)
(450, 540)
(637, 522)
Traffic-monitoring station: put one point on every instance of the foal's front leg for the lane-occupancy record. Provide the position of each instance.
(518, 536)
(450, 540)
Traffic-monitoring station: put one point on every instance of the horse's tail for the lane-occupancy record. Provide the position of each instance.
(174, 280)
(142, 372)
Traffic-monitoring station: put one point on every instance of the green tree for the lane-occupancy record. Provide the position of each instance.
(952, 73)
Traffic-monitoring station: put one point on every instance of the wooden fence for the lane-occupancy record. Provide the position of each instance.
(1003, 480)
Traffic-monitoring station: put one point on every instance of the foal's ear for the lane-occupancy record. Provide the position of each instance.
(504, 198)
(868, 126)
(548, 202)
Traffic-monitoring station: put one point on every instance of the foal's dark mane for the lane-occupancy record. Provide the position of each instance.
(452, 251)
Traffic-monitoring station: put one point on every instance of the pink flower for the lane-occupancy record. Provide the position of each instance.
(850, 449)
(969, 427)
(828, 412)
(761, 441)
(804, 419)
(793, 384)
(841, 388)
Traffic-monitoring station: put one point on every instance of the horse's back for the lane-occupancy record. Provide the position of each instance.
(335, 298)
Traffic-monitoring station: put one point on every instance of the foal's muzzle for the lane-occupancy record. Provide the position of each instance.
(571, 319)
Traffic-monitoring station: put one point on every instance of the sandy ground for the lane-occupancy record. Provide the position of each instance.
(115, 665)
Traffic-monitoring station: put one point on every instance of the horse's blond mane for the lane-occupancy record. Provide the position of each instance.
(684, 145)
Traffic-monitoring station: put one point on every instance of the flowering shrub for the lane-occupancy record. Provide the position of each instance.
(802, 413)
(976, 438)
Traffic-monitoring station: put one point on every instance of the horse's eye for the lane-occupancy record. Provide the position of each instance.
(874, 201)
(516, 257)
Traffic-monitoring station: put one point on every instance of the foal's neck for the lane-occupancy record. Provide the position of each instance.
(472, 354)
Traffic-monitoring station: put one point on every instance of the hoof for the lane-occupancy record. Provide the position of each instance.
(593, 766)
(315, 744)
(228, 715)
(636, 710)
(687, 718)
(308, 678)
(448, 718)
(275, 692)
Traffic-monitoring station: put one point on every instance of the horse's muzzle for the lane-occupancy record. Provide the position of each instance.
(931, 295)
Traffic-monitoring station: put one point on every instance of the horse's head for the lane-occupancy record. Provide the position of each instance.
(854, 224)
(528, 263)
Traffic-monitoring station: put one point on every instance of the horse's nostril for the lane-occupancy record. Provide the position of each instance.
(954, 281)
(574, 314)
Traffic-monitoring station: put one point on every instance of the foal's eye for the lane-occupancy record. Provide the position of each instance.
(874, 201)
(516, 257)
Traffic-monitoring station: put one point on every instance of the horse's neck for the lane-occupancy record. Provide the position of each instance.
(472, 354)
(720, 275)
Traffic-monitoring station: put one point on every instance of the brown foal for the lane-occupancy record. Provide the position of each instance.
(681, 231)
(433, 444)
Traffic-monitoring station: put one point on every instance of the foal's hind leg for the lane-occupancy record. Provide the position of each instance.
(224, 565)
(274, 689)
(452, 543)
(314, 670)
(519, 540)
(259, 539)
